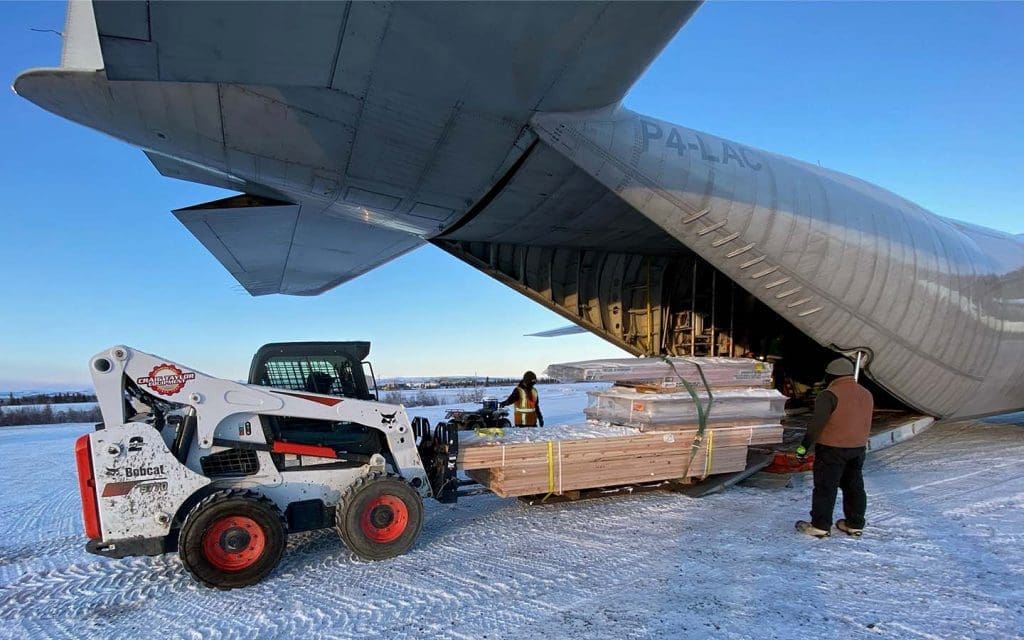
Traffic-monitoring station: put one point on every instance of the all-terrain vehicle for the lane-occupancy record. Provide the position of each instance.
(489, 416)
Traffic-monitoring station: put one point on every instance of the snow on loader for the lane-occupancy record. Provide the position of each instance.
(221, 471)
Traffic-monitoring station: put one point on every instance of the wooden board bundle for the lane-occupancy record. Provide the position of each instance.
(721, 373)
(566, 462)
(652, 411)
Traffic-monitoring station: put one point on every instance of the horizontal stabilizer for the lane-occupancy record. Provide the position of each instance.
(568, 330)
(279, 247)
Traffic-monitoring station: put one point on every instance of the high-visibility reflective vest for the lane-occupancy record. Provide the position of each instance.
(526, 407)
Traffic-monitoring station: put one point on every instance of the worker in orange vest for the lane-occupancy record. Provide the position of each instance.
(526, 401)
(839, 431)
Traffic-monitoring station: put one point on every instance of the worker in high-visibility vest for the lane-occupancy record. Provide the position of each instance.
(526, 402)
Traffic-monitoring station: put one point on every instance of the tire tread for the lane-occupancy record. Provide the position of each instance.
(207, 503)
(349, 496)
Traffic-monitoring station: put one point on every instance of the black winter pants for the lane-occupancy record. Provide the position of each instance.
(838, 468)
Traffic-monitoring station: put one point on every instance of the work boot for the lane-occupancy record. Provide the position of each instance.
(847, 529)
(806, 527)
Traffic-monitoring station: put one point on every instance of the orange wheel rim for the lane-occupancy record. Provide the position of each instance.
(384, 519)
(234, 543)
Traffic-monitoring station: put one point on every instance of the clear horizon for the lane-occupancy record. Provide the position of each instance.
(923, 99)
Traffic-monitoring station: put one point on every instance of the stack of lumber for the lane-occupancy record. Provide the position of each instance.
(566, 459)
(659, 411)
(721, 373)
(642, 430)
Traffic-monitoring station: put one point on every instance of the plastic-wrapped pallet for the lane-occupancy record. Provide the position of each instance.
(646, 411)
(721, 373)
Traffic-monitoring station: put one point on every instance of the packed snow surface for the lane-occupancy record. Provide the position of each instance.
(942, 557)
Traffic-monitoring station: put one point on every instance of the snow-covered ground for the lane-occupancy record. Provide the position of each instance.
(943, 557)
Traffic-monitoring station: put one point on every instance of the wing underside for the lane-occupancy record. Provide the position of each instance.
(362, 116)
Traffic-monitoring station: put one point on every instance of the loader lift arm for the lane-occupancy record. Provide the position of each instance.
(223, 407)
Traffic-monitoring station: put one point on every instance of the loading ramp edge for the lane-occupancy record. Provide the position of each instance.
(899, 433)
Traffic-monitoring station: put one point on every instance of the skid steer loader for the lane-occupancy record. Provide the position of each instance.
(221, 471)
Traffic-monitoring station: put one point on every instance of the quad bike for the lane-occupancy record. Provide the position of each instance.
(489, 416)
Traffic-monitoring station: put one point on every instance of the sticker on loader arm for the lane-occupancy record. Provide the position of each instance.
(166, 379)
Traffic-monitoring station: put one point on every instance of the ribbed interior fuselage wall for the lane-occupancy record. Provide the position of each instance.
(674, 304)
(617, 296)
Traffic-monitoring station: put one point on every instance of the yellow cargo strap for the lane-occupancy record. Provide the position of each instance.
(709, 454)
(551, 468)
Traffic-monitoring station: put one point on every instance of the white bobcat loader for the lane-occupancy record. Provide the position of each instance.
(222, 471)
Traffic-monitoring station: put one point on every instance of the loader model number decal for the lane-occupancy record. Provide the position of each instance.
(116, 489)
(166, 379)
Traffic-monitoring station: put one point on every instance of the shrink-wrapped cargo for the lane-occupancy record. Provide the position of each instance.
(721, 373)
(626, 406)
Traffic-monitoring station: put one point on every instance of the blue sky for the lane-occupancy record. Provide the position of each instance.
(925, 99)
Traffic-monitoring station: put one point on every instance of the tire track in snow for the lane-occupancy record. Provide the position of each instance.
(71, 588)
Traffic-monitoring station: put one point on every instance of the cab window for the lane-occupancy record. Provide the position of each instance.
(326, 375)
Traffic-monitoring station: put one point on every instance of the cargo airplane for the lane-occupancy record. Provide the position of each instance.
(355, 132)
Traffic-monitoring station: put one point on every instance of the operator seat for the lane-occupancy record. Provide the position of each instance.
(349, 437)
(348, 385)
(319, 382)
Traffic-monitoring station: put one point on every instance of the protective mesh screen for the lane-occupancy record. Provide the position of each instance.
(232, 462)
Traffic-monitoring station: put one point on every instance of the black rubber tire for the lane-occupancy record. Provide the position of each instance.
(504, 424)
(356, 500)
(226, 503)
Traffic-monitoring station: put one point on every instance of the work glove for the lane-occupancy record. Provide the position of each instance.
(801, 453)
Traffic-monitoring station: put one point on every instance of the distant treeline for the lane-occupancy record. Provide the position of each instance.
(427, 397)
(66, 397)
(454, 383)
(424, 398)
(46, 414)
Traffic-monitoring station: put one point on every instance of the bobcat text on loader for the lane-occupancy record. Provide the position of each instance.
(222, 471)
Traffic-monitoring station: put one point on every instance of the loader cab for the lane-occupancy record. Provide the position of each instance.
(331, 368)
